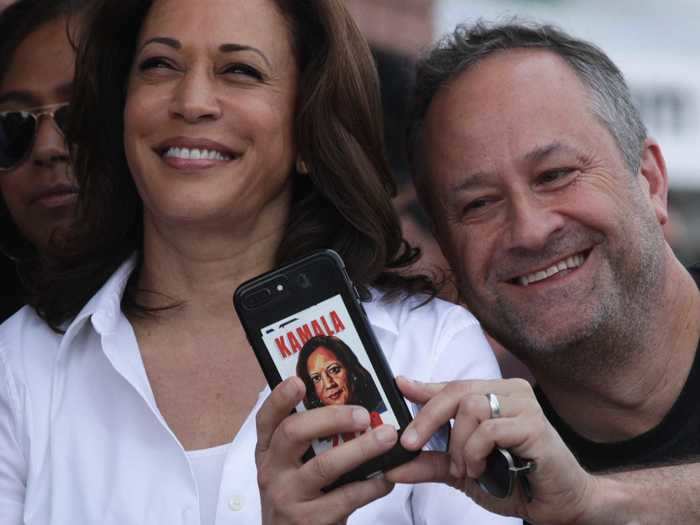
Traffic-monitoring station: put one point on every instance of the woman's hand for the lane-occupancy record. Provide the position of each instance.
(561, 489)
(290, 491)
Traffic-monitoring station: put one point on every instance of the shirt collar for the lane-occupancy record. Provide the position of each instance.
(104, 307)
(378, 313)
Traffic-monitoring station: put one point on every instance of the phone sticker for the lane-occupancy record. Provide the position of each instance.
(321, 346)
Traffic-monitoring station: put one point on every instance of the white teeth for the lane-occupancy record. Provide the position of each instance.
(196, 154)
(568, 264)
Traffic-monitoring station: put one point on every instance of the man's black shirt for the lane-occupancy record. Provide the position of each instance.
(677, 436)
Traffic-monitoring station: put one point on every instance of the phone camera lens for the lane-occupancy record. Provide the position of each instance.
(303, 280)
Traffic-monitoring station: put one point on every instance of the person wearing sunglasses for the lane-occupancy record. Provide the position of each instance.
(38, 192)
(129, 393)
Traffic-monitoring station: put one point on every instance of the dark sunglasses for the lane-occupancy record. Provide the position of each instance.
(18, 131)
(502, 471)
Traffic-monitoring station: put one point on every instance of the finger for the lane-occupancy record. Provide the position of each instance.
(438, 410)
(427, 467)
(275, 409)
(472, 412)
(335, 506)
(327, 467)
(508, 433)
(295, 433)
(443, 402)
(416, 391)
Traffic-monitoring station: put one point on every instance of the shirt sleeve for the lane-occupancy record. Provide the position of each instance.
(13, 469)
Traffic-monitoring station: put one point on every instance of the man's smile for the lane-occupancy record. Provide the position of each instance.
(567, 264)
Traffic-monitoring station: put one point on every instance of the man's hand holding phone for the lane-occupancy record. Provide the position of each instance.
(291, 491)
(559, 487)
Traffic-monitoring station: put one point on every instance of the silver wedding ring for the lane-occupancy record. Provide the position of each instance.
(495, 405)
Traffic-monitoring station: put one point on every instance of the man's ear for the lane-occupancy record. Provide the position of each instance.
(652, 170)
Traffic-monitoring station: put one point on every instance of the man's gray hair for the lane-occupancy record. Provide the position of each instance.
(610, 97)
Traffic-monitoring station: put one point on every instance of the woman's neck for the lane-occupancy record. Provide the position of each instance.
(201, 272)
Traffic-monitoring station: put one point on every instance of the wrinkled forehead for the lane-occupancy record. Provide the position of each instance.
(505, 107)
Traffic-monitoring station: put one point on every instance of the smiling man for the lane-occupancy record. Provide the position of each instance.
(548, 199)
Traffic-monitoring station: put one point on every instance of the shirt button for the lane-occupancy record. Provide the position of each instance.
(188, 515)
(236, 503)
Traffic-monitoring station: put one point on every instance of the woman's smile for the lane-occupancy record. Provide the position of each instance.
(188, 154)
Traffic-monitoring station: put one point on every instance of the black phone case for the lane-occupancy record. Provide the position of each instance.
(282, 293)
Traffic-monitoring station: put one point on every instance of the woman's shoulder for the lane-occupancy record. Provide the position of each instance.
(431, 341)
(419, 311)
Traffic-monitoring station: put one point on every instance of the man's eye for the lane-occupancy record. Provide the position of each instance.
(243, 69)
(475, 206)
(553, 176)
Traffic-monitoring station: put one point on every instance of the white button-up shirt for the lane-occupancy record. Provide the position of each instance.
(83, 442)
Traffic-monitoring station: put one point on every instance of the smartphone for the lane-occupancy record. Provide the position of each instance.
(306, 319)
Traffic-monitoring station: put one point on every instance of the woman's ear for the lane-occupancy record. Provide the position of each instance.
(301, 166)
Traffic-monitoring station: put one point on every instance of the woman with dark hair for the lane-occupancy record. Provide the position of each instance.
(333, 375)
(214, 140)
(37, 190)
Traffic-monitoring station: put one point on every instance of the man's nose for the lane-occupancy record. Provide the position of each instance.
(49, 144)
(195, 98)
(532, 222)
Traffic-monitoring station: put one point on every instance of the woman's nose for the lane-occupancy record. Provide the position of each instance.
(49, 144)
(328, 381)
(195, 99)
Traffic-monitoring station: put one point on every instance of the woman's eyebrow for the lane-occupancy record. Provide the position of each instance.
(20, 97)
(231, 48)
(165, 40)
(224, 48)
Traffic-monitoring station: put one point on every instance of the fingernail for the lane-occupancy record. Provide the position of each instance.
(410, 437)
(454, 470)
(386, 434)
(361, 417)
